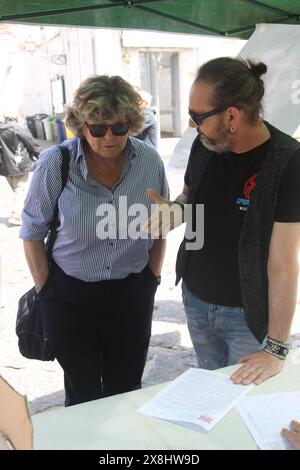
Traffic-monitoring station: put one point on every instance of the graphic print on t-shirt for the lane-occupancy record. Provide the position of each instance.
(243, 202)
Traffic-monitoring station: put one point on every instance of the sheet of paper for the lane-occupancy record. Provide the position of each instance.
(198, 399)
(266, 415)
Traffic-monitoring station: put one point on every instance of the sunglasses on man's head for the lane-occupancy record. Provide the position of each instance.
(99, 130)
(198, 118)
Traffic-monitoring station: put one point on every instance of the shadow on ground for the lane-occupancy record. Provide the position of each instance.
(169, 311)
(167, 358)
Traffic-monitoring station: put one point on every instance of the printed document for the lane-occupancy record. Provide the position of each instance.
(266, 415)
(197, 399)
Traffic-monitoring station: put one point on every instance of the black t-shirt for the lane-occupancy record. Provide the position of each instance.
(212, 273)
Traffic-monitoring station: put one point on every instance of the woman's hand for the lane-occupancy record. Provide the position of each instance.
(293, 435)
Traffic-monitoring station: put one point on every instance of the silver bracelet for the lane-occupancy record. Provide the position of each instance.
(276, 348)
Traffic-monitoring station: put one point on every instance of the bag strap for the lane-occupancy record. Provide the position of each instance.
(65, 163)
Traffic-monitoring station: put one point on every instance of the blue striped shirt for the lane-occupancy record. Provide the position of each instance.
(78, 250)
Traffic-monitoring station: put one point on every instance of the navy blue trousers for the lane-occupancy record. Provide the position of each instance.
(98, 331)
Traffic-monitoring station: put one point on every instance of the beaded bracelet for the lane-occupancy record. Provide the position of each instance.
(276, 348)
(181, 204)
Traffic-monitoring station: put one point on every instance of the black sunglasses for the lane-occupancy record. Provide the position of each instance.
(198, 118)
(99, 130)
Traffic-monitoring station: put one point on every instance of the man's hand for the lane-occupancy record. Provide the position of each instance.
(165, 218)
(258, 367)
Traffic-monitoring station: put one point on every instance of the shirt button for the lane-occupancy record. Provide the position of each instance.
(107, 267)
(111, 243)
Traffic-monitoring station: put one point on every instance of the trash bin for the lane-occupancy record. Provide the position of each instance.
(48, 128)
(54, 129)
(38, 119)
(61, 131)
(31, 125)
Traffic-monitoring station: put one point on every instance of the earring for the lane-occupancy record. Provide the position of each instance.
(232, 129)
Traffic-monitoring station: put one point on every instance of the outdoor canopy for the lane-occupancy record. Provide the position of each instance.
(230, 18)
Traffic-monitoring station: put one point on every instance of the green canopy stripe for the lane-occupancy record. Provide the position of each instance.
(215, 17)
(267, 7)
(180, 20)
(63, 11)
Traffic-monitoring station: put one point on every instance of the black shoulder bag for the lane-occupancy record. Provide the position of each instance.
(33, 342)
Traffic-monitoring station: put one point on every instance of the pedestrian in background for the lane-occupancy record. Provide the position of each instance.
(18, 151)
(149, 132)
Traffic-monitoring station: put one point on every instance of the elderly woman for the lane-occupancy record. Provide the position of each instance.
(97, 298)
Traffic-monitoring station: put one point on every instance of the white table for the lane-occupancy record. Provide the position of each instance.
(114, 423)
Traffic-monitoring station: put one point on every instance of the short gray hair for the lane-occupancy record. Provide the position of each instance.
(101, 97)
